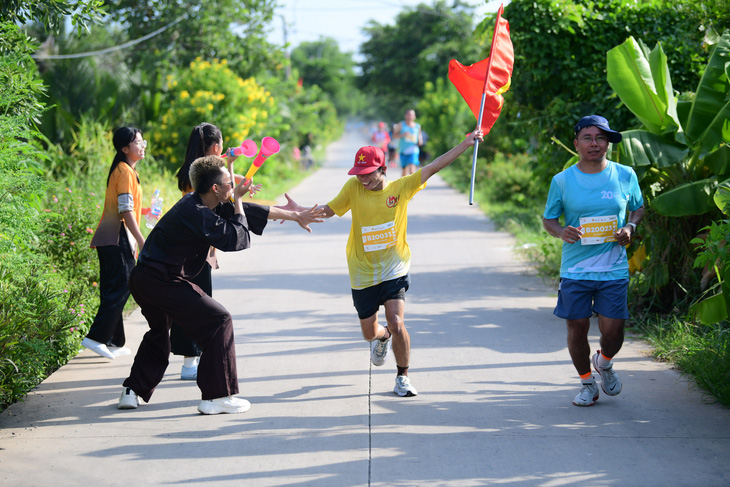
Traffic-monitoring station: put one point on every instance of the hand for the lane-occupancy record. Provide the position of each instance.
(255, 188)
(571, 234)
(478, 134)
(310, 215)
(230, 158)
(242, 188)
(291, 205)
(623, 235)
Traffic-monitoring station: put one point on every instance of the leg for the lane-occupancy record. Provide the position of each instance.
(113, 291)
(394, 313)
(612, 335)
(578, 345)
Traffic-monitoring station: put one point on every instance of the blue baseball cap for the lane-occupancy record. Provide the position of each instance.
(601, 123)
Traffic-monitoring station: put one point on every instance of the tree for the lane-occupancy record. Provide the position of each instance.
(321, 63)
(234, 30)
(52, 14)
(560, 60)
(399, 59)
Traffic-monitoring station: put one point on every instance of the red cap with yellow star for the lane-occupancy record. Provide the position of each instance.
(367, 160)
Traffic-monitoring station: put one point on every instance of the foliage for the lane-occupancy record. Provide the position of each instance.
(234, 30)
(702, 351)
(399, 59)
(208, 90)
(43, 318)
(679, 155)
(20, 185)
(71, 219)
(101, 88)
(52, 14)
(322, 63)
(562, 44)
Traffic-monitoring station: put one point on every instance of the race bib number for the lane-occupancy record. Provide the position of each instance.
(598, 229)
(379, 237)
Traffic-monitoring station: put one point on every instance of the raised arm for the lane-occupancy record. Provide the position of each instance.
(445, 159)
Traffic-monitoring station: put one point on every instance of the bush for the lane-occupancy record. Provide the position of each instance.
(43, 318)
(208, 92)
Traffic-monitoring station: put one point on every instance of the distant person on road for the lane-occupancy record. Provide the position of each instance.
(378, 256)
(593, 196)
(161, 283)
(409, 137)
(381, 137)
(117, 240)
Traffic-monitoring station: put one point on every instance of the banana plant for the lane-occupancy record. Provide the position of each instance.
(680, 154)
(686, 156)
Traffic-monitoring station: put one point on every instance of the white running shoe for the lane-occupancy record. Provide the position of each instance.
(230, 404)
(403, 387)
(610, 383)
(588, 394)
(119, 351)
(97, 347)
(128, 399)
(379, 351)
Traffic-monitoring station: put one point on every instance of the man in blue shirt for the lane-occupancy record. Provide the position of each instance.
(594, 196)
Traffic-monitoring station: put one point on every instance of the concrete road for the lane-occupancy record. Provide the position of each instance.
(489, 361)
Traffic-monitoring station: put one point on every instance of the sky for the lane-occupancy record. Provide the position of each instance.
(343, 20)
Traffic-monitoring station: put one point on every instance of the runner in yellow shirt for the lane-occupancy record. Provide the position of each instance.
(378, 255)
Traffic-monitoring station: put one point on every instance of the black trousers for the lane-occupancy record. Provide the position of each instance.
(115, 265)
(181, 344)
(203, 319)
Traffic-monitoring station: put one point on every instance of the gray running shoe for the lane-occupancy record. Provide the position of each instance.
(379, 351)
(588, 394)
(128, 399)
(610, 383)
(403, 387)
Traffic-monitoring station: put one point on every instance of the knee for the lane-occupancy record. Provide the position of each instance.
(395, 324)
(369, 334)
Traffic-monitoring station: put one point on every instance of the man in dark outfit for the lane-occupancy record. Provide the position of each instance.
(175, 252)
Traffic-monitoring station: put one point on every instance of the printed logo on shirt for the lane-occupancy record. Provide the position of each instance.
(379, 237)
(598, 229)
(392, 201)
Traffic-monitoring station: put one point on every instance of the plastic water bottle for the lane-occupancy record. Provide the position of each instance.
(155, 210)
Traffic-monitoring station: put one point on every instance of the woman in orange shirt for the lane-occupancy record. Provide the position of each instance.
(117, 240)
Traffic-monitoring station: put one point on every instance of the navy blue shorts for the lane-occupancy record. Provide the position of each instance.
(367, 301)
(578, 299)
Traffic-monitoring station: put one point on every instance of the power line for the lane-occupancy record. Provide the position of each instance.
(110, 49)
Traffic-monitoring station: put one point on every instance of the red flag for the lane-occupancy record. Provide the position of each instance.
(490, 77)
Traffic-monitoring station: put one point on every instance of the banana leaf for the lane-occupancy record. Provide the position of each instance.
(642, 148)
(710, 105)
(722, 197)
(642, 81)
(710, 310)
(687, 199)
(719, 162)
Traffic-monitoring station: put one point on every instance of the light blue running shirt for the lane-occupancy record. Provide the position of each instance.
(601, 201)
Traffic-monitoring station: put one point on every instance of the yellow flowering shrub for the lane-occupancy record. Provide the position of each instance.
(208, 91)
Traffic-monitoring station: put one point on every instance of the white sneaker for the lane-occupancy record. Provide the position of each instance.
(610, 383)
(588, 394)
(128, 399)
(97, 348)
(189, 373)
(119, 351)
(403, 387)
(379, 351)
(230, 404)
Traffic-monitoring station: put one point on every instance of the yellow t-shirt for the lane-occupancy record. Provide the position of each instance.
(377, 250)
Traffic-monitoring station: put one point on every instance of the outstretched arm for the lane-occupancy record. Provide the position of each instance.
(292, 205)
(303, 217)
(445, 159)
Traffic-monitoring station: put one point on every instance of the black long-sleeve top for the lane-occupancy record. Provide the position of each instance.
(179, 243)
